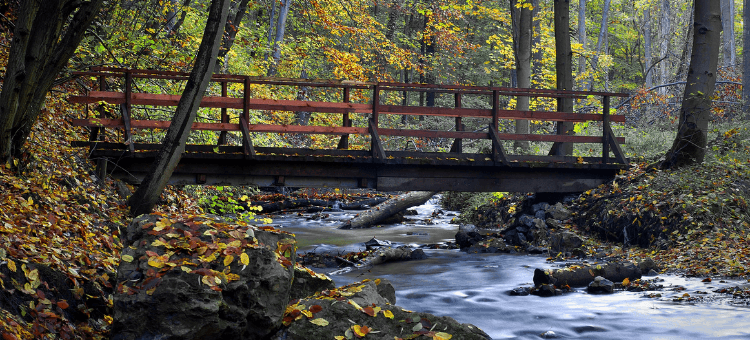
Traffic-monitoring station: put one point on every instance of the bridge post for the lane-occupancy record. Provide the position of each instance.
(126, 111)
(101, 163)
(458, 142)
(224, 116)
(605, 128)
(247, 143)
(346, 122)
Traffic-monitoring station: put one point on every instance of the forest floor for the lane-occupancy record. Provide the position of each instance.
(56, 213)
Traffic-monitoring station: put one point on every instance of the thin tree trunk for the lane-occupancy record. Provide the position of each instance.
(46, 34)
(388, 208)
(689, 146)
(145, 198)
(538, 50)
(564, 70)
(746, 59)
(600, 42)
(729, 51)
(523, 68)
(232, 26)
(582, 41)
(665, 37)
(686, 50)
(280, 30)
(648, 54)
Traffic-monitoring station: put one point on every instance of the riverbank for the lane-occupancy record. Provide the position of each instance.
(693, 220)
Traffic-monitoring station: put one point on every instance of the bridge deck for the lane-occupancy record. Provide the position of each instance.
(376, 168)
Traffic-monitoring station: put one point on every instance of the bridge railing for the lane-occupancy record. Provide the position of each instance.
(373, 108)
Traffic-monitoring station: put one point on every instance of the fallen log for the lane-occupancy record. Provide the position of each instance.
(580, 276)
(384, 255)
(387, 209)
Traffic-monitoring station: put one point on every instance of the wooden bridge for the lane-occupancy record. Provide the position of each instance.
(122, 141)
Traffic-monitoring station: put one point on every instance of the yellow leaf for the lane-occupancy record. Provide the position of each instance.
(186, 269)
(228, 260)
(388, 314)
(442, 336)
(244, 259)
(626, 282)
(320, 322)
(11, 265)
(157, 261)
(307, 313)
(351, 302)
(127, 258)
(235, 243)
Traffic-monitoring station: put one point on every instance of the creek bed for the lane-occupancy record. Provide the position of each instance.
(473, 288)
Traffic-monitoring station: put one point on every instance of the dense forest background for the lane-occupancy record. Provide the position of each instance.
(639, 47)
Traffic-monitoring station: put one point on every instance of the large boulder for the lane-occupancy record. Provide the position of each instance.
(201, 278)
(601, 285)
(307, 282)
(465, 239)
(491, 245)
(354, 312)
(582, 275)
(564, 242)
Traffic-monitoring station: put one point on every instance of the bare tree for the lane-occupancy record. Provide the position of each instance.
(729, 51)
(665, 36)
(523, 66)
(600, 42)
(689, 146)
(582, 40)
(647, 52)
(145, 198)
(280, 30)
(564, 69)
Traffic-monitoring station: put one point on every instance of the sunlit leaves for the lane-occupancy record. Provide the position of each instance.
(320, 322)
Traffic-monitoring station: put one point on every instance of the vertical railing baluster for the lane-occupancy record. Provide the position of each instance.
(346, 121)
(605, 129)
(458, 143)
(224, 115)
(126, 112)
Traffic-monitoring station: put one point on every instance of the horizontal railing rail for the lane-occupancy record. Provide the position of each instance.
(373, 108)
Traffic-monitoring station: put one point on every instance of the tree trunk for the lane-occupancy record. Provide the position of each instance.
(46, 34)
(144, 199)
(665, 37)
(523, 68)
(538, 50)
(689, 146)
(686, 49)
(746, 59)
(280, 30)
(729, 51)
(647, 53)
(388, 208)
(231, 28)
(582, 41)
(600, 42)
(564, 70)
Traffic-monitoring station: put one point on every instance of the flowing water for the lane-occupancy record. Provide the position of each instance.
(473, 288)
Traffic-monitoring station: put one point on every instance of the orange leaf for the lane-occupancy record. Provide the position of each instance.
(62, 304)
(315, 308)
(361, 331)
(369, 311)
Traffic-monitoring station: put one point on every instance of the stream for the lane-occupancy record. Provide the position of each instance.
(473, 288)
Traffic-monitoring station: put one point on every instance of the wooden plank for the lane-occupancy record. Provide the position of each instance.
(619, 155)
(498, 153)
(247, 142)
(339, 130)
(378, 153)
